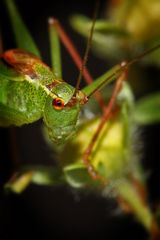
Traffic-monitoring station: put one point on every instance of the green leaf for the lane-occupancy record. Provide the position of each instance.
(82, 24)
(107, 38)
(130, 194)
(43, 175)
(147, 109)
(77, 175)
(23, 38)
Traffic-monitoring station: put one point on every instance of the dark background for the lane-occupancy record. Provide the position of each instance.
(59, 212)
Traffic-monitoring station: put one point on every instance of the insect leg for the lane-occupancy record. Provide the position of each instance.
(55, 50)
(107, 113)
(67, 42)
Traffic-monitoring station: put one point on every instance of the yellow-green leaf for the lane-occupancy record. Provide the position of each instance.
(147, 110)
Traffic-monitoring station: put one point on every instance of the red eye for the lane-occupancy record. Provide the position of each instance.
(58, 103)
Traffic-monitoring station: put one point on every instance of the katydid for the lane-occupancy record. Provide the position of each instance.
(30, 90)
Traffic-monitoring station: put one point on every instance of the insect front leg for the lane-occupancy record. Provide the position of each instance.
(106, 115)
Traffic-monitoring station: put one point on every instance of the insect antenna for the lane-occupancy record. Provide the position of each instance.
(88, 46)
(142, 55)
(114, 72)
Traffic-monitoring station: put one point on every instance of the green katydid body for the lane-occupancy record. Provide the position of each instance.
(28, 91)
